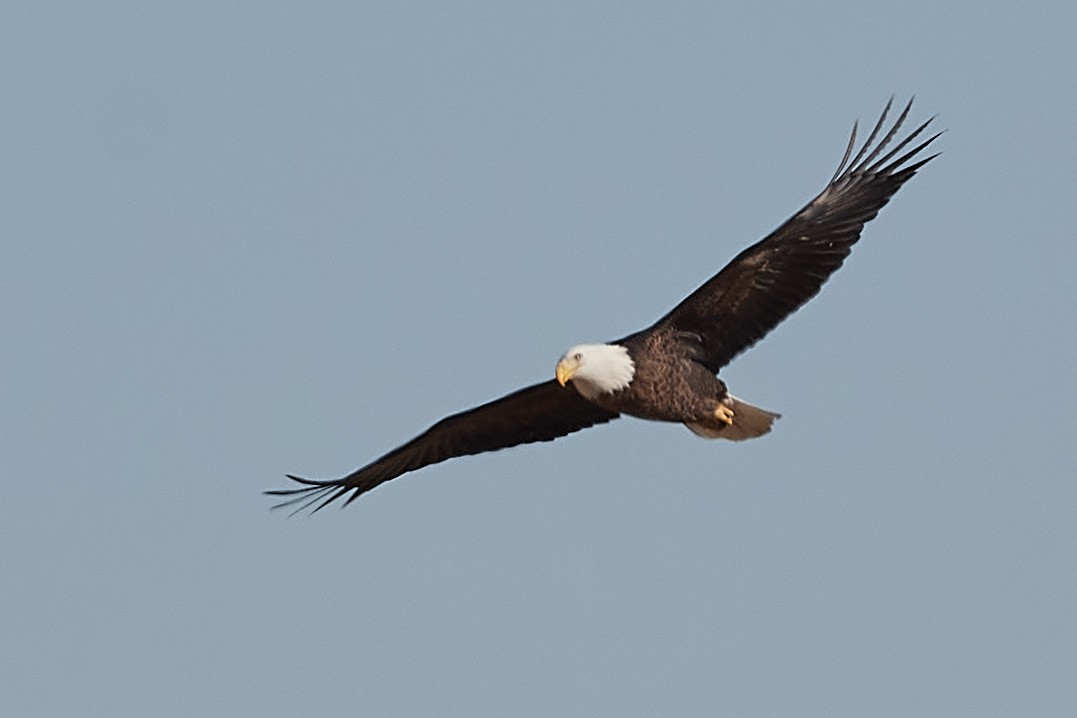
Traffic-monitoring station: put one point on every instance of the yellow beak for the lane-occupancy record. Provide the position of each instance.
(565, 369)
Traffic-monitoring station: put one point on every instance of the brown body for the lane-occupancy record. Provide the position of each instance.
(669, 384)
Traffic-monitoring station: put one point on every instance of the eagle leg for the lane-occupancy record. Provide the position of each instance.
(724, 414)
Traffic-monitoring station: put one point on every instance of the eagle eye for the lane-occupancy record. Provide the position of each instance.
(577, 356)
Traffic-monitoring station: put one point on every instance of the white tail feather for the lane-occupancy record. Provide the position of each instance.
(748, 422)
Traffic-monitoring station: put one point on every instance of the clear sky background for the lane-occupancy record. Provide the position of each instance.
(247, 239)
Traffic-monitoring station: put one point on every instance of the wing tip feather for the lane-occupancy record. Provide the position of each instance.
(865, 162)
(311, 492)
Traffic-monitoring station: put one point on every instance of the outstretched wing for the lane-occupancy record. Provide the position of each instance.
(542, 412)
(770, 280)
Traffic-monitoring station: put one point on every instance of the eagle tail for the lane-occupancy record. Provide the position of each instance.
(748, 422)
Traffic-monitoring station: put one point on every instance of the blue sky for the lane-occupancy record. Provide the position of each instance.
(249, 239)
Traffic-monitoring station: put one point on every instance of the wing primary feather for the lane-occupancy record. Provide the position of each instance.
(310, 502)
(310, 483)
(311, 492)
(900, 145)
(845, 157)
(885, 140)
(871, 138)
(878, 166)
(305, 498)
(351, 498)
(333, 497)
(911, 169)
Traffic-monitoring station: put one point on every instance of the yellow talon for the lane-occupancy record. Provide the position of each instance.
(724, 413)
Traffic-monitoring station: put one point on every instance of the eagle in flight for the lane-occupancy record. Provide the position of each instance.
(668, 371)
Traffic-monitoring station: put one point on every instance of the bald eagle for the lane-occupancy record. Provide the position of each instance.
(668, 372)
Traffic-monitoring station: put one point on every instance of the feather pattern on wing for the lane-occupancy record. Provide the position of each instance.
(770, 280)
(542, 412)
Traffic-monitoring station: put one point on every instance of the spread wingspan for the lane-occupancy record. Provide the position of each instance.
(542, 412)
(732, 311)
(770, 280)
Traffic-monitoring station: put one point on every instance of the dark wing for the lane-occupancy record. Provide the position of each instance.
(542, 412)
(770, 280)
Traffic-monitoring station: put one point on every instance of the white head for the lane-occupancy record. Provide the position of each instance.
(596, 369)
